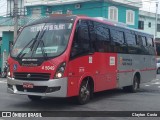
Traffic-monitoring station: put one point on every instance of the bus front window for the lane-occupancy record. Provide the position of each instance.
(48, 38)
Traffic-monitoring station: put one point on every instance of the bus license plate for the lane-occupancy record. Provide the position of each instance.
(28, 85)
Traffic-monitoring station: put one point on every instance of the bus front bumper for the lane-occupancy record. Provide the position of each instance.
(50, 88)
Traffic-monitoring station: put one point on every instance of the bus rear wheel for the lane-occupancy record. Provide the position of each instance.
(158, 71)
(134, 87)
(34, 98)
(84, 93)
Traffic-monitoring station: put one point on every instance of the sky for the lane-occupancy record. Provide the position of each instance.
(3, 7)
(148, 5)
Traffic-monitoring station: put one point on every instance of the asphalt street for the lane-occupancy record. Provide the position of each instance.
(146, 99)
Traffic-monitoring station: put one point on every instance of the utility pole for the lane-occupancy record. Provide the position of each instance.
(15, 13)
(156, 19)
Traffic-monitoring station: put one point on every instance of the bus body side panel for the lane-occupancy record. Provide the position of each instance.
(101, 67)
(128, 65)
(149, 73)
(106, 67)
(125, 71)
(77, 67)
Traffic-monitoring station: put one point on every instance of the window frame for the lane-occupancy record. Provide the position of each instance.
(149, 24)
(129, 19)
(141, 26)
(115, 13)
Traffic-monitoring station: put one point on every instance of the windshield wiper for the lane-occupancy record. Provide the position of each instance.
(31, 47)
(20, 54)
(41, 43)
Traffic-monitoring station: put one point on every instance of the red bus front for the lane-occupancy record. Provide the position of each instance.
(38, 61)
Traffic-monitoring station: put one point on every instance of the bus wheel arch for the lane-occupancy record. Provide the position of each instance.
(135, 83)
(158, 70)
(86, 89)
(137, 74)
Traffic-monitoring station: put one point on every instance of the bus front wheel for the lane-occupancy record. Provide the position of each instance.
(84, 92)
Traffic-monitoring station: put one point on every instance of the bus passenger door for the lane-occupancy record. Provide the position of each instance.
(81, 57)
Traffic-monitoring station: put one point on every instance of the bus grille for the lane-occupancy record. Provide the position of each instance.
(32, 76)
(36, 89)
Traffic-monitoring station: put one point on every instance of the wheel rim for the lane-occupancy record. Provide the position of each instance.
(84, 92)
(135, 83)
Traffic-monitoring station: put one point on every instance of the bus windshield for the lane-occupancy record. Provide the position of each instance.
(49, 39)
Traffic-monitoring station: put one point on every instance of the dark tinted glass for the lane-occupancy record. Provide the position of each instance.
(144, 41)
(81, 42)
(102, 38)
(130, 38)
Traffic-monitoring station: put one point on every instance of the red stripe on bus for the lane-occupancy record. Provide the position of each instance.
(122, 71)
(148, 69)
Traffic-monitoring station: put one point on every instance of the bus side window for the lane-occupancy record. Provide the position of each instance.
(117, 37)
(102, 38)
(144, 41)
(141, 41)
(131, 42)
(150, 46)
(150, 41)
(81, 44)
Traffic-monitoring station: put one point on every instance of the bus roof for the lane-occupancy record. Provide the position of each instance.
(74, 17)
(54, 17)
(119, 24)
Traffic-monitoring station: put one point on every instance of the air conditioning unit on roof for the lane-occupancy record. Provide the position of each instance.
(77, 6)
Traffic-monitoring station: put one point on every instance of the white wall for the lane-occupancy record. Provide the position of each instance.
(149, 17)
(135, 3)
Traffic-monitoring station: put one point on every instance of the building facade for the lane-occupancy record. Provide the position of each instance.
(115, 10)
(147, 23)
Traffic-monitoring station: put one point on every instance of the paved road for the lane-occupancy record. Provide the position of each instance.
(147, 99)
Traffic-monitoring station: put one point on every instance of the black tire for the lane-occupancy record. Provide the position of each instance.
(158, 71)
(133, 88)
(34, 98)
(84, 93)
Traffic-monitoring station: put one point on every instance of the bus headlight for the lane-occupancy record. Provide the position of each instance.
(60, 71)
(9, 74)
(59, 75)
